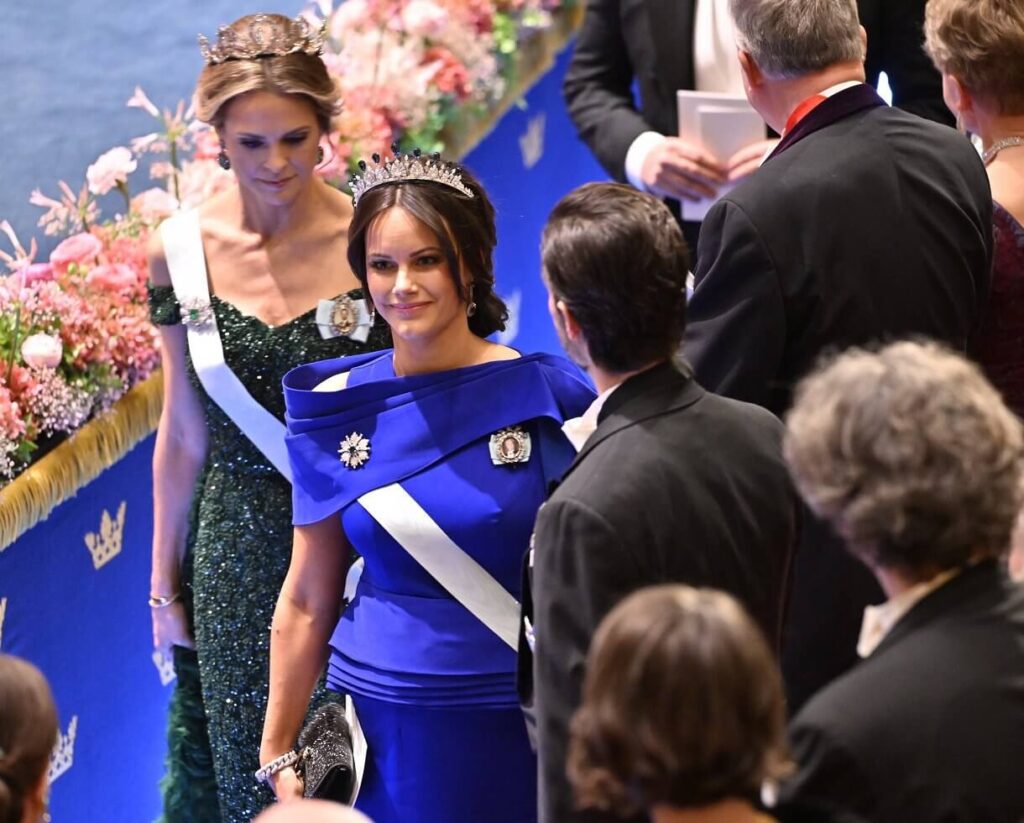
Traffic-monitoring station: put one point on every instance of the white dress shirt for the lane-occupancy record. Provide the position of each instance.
(716, 68)
(879, 620)
(578, 429)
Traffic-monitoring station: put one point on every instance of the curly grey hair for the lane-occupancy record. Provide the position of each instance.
(911, 454)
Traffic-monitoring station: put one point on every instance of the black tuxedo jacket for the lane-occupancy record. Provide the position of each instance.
(650, 42)
(929, 727)
(675, 485)
(866, 224)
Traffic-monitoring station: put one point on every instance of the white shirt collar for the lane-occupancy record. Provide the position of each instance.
(578, 429)
(879, 620)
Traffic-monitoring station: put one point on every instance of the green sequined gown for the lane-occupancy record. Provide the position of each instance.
(239, 547)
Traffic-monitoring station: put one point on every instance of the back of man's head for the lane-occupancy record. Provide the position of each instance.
(311, 811)
(617, 258)
(791, 38)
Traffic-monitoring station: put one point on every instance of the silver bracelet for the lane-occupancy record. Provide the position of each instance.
(158, 602)
(276, 765)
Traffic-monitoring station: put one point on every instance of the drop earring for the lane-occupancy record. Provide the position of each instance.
(223, 160)
(319, 155)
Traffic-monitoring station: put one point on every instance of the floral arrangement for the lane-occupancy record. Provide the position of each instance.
(74, 330)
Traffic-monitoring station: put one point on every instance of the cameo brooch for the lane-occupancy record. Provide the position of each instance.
(354, 451)
(508, 446)
(344, 317)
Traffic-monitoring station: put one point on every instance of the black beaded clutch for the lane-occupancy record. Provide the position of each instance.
(327, 765)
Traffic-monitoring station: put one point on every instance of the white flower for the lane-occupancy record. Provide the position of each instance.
(110, 168)
(42, 351)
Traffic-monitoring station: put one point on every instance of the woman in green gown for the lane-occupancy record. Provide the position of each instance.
(245, 288)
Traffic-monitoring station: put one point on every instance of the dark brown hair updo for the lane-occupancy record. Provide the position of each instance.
(465, 230)
(28, 731)
(299, 73)
(682, 705)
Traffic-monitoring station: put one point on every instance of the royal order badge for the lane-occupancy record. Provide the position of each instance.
(354, 451)
(508, 446)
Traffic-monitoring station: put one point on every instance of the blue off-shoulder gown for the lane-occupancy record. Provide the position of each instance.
(434, 688)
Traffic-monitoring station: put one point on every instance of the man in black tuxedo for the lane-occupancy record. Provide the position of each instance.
(916, 461)
(866, 223)
(671, 483)
(654, 43)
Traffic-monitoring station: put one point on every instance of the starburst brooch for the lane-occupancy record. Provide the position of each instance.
(196, 313)
(354, 451)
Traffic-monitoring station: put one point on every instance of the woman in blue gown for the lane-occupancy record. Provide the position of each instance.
(436, 455)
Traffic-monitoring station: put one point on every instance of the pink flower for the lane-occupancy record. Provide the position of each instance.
(139, 100)
(113, 277)
(154, 205)
(79, 248)
(37, 273)
(449, 74)
(41, 351)
(110, 168)
(424, 18)
(206, 142)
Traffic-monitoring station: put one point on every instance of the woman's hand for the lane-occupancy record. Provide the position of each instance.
(287, 784)
(170, 628)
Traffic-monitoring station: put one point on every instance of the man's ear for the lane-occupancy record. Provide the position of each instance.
(863, 43)
(751, 71)
(572, 328)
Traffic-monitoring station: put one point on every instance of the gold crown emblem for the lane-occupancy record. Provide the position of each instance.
(105, 545)
(405, 167)
(164, 666)
(63, 757)
(263, 37)
(3, 614)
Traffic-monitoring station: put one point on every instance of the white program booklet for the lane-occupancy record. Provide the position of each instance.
(720, 123)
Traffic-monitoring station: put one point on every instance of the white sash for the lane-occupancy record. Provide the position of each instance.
(465, 579)
(183, 249)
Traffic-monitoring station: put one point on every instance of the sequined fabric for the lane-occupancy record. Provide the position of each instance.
(999, 346)
(241, 543)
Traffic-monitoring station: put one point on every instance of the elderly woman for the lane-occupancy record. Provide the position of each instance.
(915, 460)
(978, 45)
(682, 715)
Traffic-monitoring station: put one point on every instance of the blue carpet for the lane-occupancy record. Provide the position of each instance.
(66, 70)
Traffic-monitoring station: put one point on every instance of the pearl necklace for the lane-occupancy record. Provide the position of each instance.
(999, 145)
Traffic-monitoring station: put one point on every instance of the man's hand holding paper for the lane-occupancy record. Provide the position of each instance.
(680, 169)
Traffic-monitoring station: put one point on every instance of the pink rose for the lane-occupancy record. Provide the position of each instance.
(41, 351)
(79, 248)
(36, 273)
(113, 277)
(154, 205)
(110, 168)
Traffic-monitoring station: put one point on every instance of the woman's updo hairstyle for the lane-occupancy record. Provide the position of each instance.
(465, 230)
(297, 73)
(28, 731)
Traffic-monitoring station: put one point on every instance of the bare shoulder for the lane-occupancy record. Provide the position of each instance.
(496, 352)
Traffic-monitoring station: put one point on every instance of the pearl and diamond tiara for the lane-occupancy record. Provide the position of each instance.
(263, 38)
(403, 167)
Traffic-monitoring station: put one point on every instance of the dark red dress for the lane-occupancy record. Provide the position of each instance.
(999, 346)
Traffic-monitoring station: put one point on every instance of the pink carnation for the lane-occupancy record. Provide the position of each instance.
(80, 248)
(424, 18)
(12, 425)
(153, 205)
(110, 168)
(113, 277)
(36, 273)
(450, 75)
(42, 351)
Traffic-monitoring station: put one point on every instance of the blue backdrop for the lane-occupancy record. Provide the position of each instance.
(80, 613)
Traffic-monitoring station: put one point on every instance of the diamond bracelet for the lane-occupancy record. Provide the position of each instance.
(278, 764)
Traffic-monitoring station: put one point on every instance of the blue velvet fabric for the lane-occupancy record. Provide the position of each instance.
(418, 662)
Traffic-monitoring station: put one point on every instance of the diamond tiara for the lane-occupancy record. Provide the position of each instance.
(403, 167)
(263, 38)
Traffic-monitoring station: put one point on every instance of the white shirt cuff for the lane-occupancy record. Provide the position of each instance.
(637, 155)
